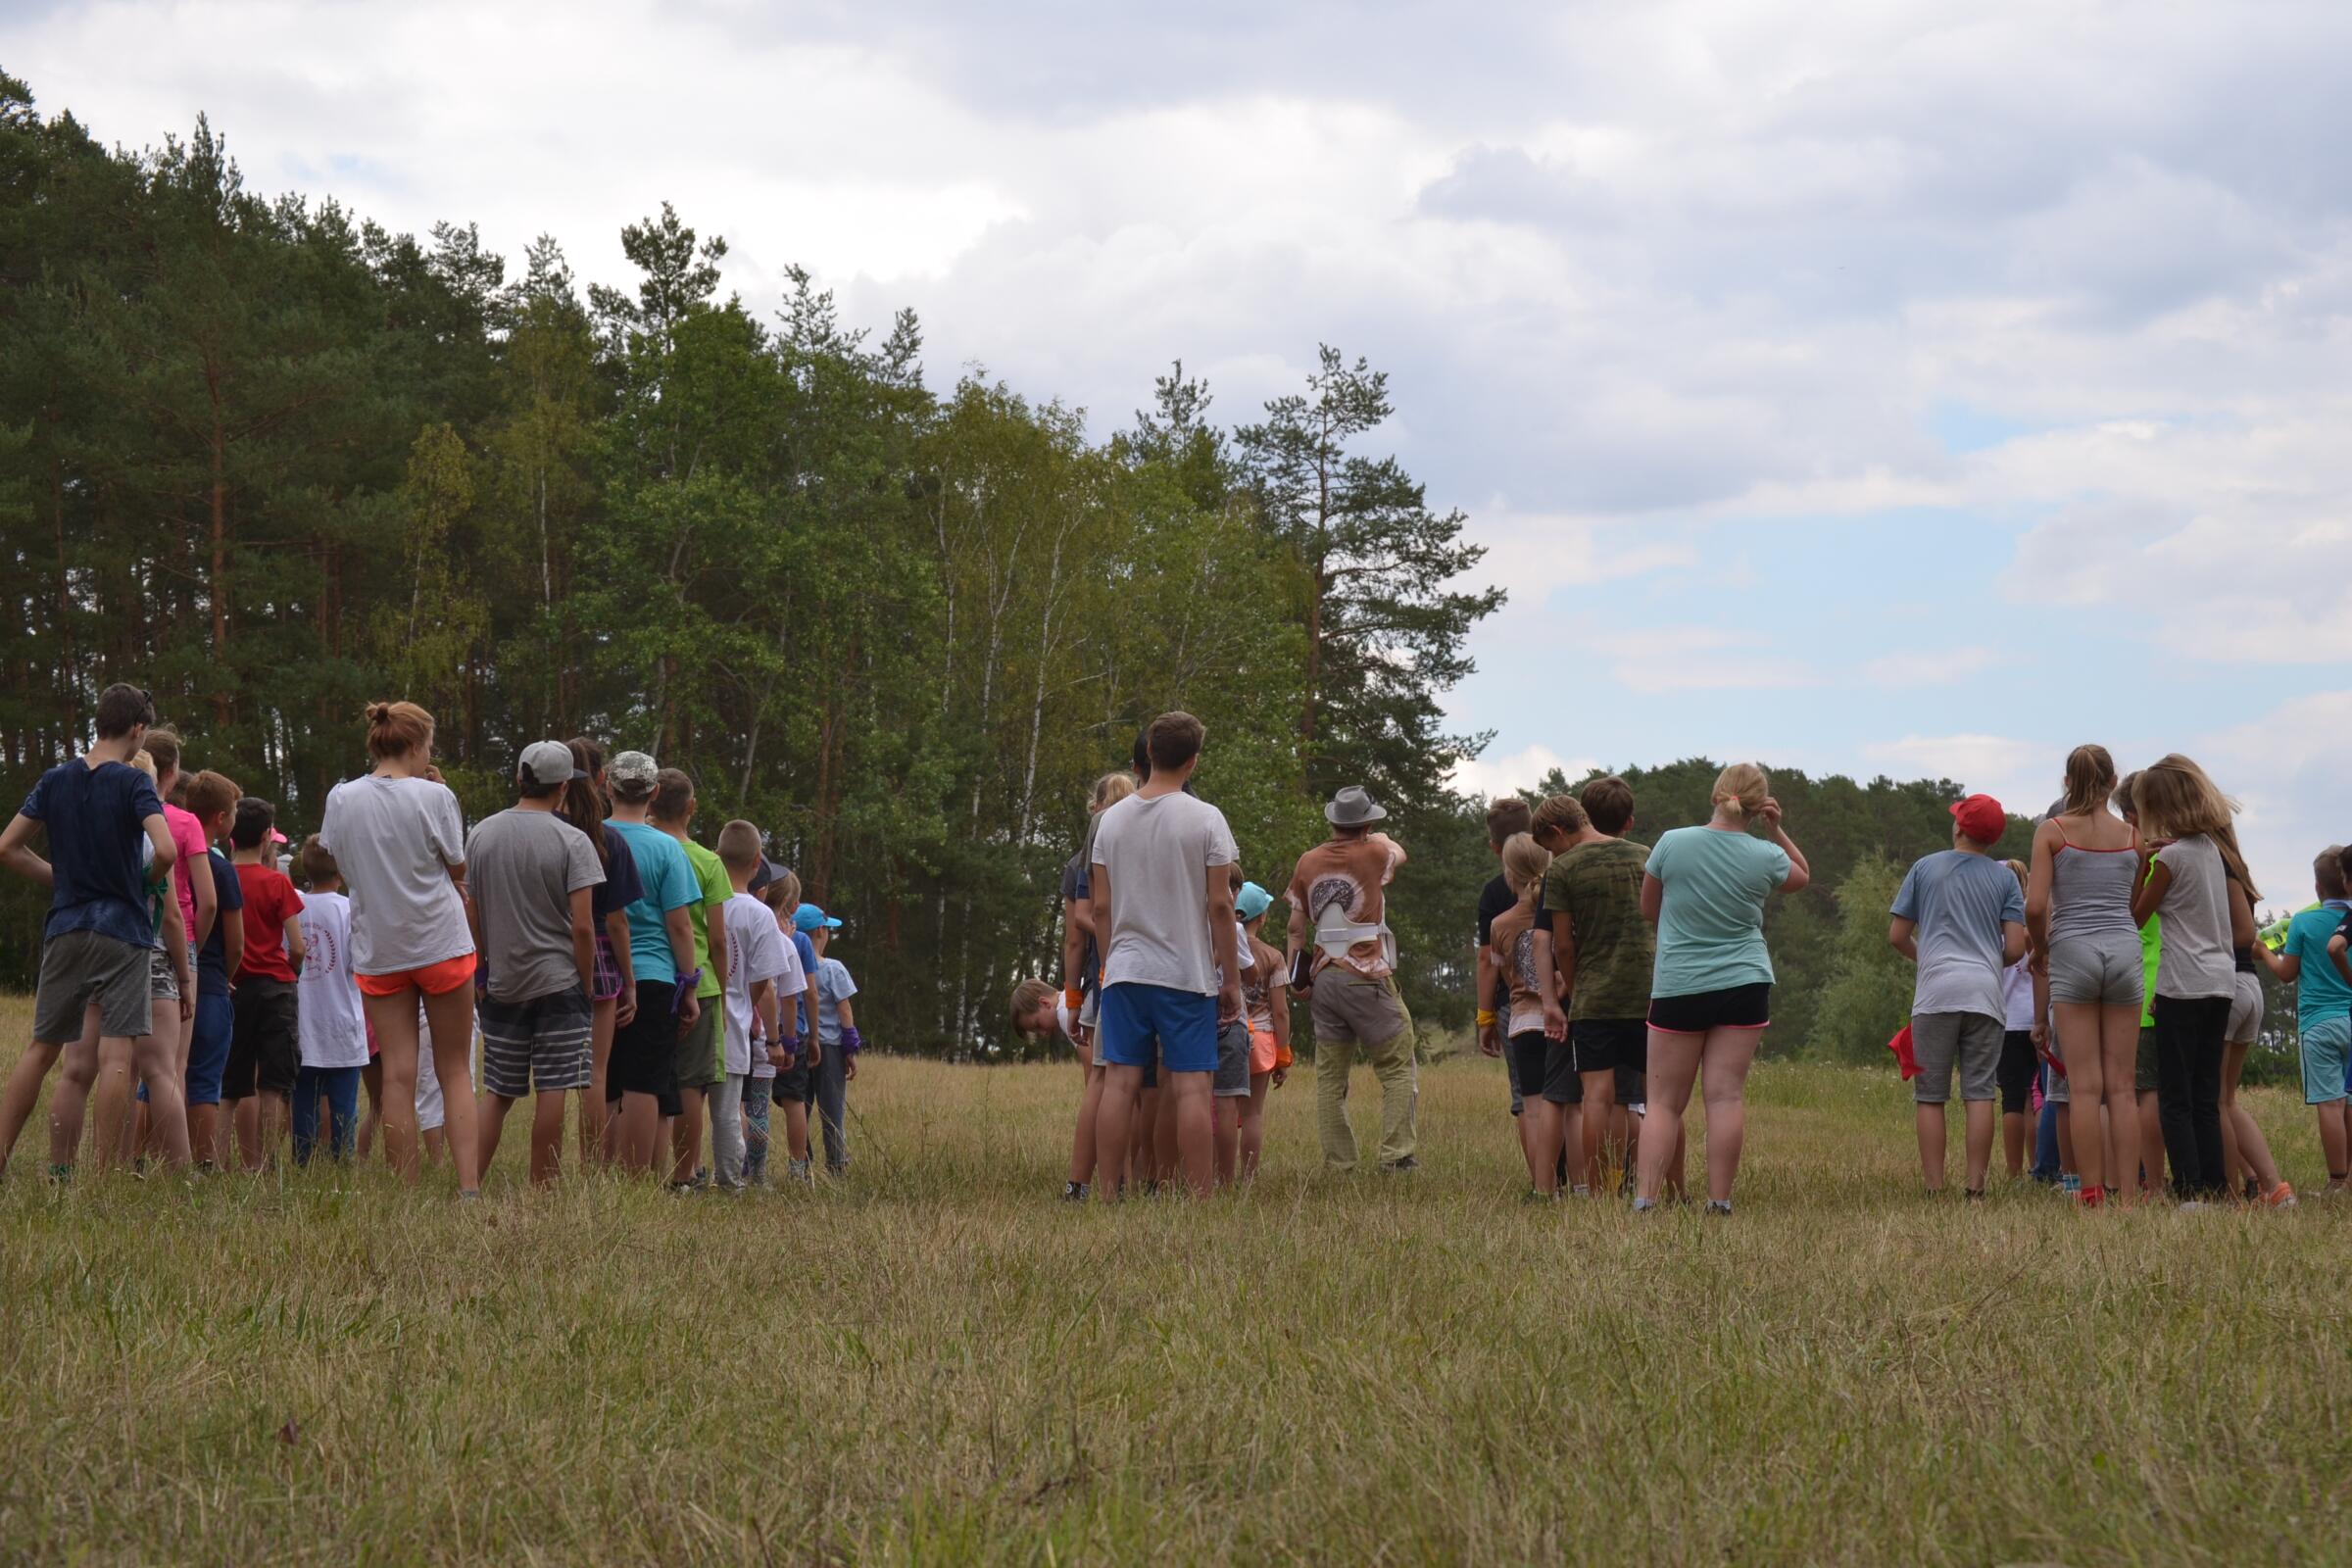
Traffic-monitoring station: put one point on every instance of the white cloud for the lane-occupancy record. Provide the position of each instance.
(1701, 659)
(2289, 770)
(2017, 772)
(1484, 778)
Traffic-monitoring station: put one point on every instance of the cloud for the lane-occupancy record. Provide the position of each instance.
(2289, 770)
(1701, 659)
(1486, 779)
(2014, 770)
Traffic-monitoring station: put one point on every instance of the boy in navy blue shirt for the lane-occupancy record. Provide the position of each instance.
(98, 811)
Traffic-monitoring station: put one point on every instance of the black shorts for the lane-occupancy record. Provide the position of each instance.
(1547, 1066)
(645, 1055)
(1604, 1044)
(790, 1086)
(2015, 1071)
(265, 1046)
(1632, 1086)
(1733, 1008)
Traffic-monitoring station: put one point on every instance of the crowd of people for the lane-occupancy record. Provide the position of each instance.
(588, 943)
(585, 943)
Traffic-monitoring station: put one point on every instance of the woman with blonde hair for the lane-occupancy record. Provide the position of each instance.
(2188, 881)
(400, 840)
(2085, 945)
(1711, 993)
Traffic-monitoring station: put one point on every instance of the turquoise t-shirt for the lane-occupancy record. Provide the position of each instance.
(2320, 991)
(669, 884)
(1711, 921)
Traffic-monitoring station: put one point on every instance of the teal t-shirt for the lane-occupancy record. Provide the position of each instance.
(1712, 921)
(669, 884)
(2320, 991)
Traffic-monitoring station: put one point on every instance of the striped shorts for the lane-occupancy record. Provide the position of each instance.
(540, 1044)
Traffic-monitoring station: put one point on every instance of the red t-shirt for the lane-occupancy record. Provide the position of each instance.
(269, 900)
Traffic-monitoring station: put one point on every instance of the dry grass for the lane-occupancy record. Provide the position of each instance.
(936, 1361)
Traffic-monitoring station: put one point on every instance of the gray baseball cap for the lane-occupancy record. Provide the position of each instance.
(547, 763)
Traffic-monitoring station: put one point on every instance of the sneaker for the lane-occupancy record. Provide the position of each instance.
(1402, 1167)
(1719, 1206)
(2281, 1196)
(1073, 1191)
(798, 1170)
(1536, 1195)
(1581, 1189)
(1974, 1195)
(1645, 1206)
(2189, 1204)
(2070, 1184)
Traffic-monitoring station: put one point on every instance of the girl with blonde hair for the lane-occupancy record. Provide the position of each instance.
(2086, 946)
(1711, 993)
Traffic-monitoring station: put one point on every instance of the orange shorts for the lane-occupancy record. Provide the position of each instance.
(1261, 1052)
(434, 979)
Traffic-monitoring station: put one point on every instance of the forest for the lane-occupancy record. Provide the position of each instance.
(273, 462)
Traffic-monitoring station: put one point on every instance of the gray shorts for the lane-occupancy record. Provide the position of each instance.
(2246, 1011)
(699, 1063)
(1970, 1041)
(2100, 966)
(1232, 1081)
(83, 967)
(544, 1042)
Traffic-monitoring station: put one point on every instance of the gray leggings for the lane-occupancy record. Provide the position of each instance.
(828, 1097)
(726, 1130)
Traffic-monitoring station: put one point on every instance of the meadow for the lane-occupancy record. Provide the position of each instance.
(934, 1361)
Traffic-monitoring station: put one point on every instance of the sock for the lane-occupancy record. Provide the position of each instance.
(2093, 1197)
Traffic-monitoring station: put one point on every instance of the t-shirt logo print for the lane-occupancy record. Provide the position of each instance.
(324, 956)
(1523, 954)
(1332, 888)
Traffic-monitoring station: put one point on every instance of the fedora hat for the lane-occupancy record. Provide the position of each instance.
(1353, 807)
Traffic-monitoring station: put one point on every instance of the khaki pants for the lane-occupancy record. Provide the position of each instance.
(1356, 1017)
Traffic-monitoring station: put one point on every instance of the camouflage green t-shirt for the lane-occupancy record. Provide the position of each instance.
(1599, 886)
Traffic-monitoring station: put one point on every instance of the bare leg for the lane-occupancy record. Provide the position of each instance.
(1144, 1120)
(2013, 1143)
(1929, 1121)
(1601, 1105)
(71, 1102)
(2118, 1062)
(1166, 1146)
(156, 1062)
(2082, 1049)
(795, 1129)
(2150, 1151)
(1726, 1057)
(1673, 1066)
(1116, 1122)
(109, 1110)
(547, 1135)
(1194, 1114)
(395, 1021)
(490, 1122)
(1979, 1113)
(2240, 1129)
(1226, 1111)
(637, 1133)
(592, 1103)
(451, 1014)
(23, 1091)
(1082, 1144)
(1541, 1139)
(686, 1137)
(2066, 1144)
(1253, 1122)
(372, 1079)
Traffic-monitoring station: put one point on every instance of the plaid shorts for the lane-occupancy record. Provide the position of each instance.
(607, 970)
(541, 1043)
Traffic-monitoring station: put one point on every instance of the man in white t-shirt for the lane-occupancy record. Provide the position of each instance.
(1163, 921)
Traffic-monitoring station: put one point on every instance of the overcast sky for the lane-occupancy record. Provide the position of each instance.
(1913, 388)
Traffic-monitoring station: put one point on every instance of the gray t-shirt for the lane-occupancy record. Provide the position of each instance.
(1959, 903)
(394, 840)
(522, 868)
(2196, 960)
(1158, 852)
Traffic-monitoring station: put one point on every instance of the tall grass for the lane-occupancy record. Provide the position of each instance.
(933, 1360)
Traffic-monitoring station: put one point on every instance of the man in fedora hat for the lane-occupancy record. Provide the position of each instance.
(1338, 910)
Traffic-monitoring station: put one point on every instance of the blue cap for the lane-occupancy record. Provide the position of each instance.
(1252, 902)
(808, 918)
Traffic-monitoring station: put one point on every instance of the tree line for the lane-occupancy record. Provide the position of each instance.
(274, 461)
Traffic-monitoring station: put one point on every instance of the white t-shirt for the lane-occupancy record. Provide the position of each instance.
(2017, 996)
(394, 840)
(332, 1025)
(1158, 852)
(755, 951)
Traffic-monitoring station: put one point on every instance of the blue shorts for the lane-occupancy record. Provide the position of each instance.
(2325, 1046)
(1181, 1024)
(210, 1033)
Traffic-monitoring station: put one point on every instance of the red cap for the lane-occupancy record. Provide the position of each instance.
(1981, 818)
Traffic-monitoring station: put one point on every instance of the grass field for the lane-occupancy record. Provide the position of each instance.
(933, 1360)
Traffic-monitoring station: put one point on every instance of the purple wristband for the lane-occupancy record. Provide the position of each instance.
(851, 1044)
(686, 987)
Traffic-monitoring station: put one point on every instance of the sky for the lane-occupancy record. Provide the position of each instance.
(1889, 388)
